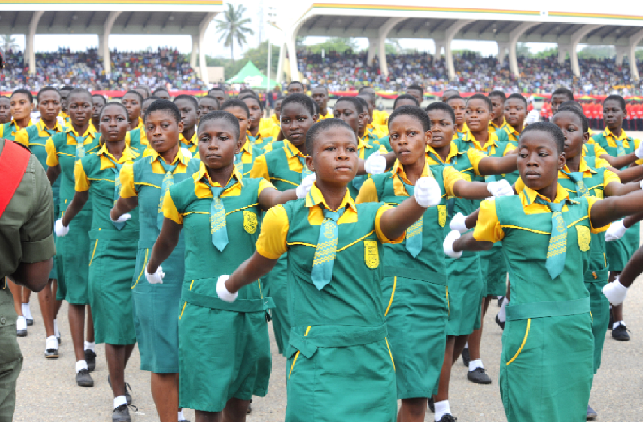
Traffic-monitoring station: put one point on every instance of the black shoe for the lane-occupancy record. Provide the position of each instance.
(620, 333)
(591, 414)
(90, 358)
(29, 322)
(500, 299)
(500, 323)
(479, 376)
(121, 414)
(21, 333)
(431, 405)
(83, 379)
(611, 321)
(249, 411)
(465, 357)
(448, 418)
(60, 340)
(51, 353)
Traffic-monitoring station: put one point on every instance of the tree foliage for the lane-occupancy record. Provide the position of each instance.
(234, 27)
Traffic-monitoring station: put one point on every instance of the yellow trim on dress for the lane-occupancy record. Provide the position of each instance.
(524, 340)
(297, 355)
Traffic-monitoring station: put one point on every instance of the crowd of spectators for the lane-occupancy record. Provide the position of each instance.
(161, 68)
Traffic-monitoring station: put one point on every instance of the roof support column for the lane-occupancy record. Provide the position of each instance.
(513, 43)
(620, 52)
(101, 43)
(383, 32)
(280, 66)
(107, 29)
(373, 49)
(30, 39)
(292, 56)
(449, 35)
(195, 48)
(439, 45)
(563, 49)
(203, 66)
(576, 37)
(634, 41)
(502, 51)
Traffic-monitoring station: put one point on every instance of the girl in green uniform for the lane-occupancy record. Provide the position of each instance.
(113, 256)
(207, 104)
(546, 366)
(135, 139)
(402, 100)
(415, 281)
(254, 122)
(515, 113)
(249, 152)
(35, 137)
(189, 108)
(156, 306)
(339, 364)
(220, 369)
(64, 149)
(98, 102)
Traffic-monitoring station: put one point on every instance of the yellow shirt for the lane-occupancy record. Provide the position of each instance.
(52, 154)
(143, 135)
(14, 132)
(493, 127)
(489, 229)
(128, 186)
(22, 136)
(490, 146)
(272, 241)
(82, 182)
(611, 139)
(328, 115)
(192, 145)
(380, 118)
(202, 183)
(260, 167)
(599, 151)
(473, 155)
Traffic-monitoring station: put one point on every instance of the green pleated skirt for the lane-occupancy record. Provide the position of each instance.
(466, 288)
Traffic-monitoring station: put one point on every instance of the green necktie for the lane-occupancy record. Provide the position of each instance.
(80, 146)
(168, 181)
(557, 249)
(577, 178)
(620, 150)
(238, 162)
(117, 190)
(324, 257)
(413, 233)
(217, 216)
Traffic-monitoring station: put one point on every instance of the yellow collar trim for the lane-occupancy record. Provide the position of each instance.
(316, 197)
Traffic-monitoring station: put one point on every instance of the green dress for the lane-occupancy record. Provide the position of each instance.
(113, 255)
(546, 364)
(74, 248)
(156, 306)
(414, 296)
(339, 364)
(224, 348)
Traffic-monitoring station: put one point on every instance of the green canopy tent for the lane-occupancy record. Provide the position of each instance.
(252, 77)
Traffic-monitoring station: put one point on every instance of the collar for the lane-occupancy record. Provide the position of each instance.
(192, 140)
(179, 156)
(453, 151)
(128, 154)
(363, 143)
(203, 175)
(328, 115)
(510, 129)
(492, 124)
(528, 195)
(42, 128)
(492, 142)
(90, 132)
(608, 134)
(247, 146)
(582, 168)
(398, 170)
(292, 150)
(275, 120)
(316, 197)
(13, 124)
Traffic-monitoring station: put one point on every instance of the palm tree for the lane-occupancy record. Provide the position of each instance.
(8, 43)
(233, 27)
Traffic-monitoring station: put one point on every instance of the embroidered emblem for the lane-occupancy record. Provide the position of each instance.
(442, 215)
(584, 238)
(250, 222)
(371, 254)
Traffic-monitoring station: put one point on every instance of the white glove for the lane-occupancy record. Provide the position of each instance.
(303, 189)
(500, 188)
(458, 223)
(427, 192)
(615, 292)
(615, 231)
(61, 231)
(186, 153)
(375, 163)
(123, 218)
(223, 292)
(155, 278)
(448, 244)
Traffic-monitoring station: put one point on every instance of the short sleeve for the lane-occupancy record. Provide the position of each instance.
(22, 137)
(263, 184)
(260, 168)
(591, 200)
(169, 209)
(519, 185)
(378, 228)
(599, 151)
(274, 231)
(367, 193)
(382, 149)
(450, 176)
(601, 162)
(126, 175)
(475, 157)
(510, 147)
(610, 177)
(488, 227)
(52, 154)
(80, 178)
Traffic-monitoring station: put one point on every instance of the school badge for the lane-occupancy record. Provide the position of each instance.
(598, 193)
(250, 222)
(371, 254)
(584, 237)
(442, 215)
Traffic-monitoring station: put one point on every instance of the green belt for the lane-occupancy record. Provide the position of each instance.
(333, 336)
(239, 305)
(547, 309)
(415, 274)
(113, 235)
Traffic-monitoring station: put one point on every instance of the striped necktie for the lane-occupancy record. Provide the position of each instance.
(557, 249)
(324, 258)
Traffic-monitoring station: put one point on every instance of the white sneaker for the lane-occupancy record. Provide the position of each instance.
(51, 347)
(21, 326)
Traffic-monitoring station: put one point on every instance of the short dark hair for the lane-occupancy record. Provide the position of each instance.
(498, 93)
(321, 87)
(295, 83)
(138, 94)
(23, 91)
(248, 91)
(190, 98)
(222, 115)
(235, 102)
(455, 97)
(412, 111)
(405, 97)
(438, 105)
(99, 96)
(152, 98)
(359, 106)
(114, 103)
(450, 90)
(516, 96)
(82, 91)
(302, 99)
(363, 101)
(415, 87)
(371, 97)
(554, 131)
(210, 97)
(320, 127)
(164, 105)
(482, 97)
(254, 97)
(564, 91)
(67, 88)
(618, 98)
(46, 89)
(160, 89)
(574, 110)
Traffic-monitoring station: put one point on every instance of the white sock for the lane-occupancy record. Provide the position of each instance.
(475, 364)
(90, 346)
(466, 346)
(51, 343)
(616, 324)
(21, 323)
(26, 311)
(56, 332)
(441, 409)
(81, 364)
(501, 313)
(181, 417)
(119, 400)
